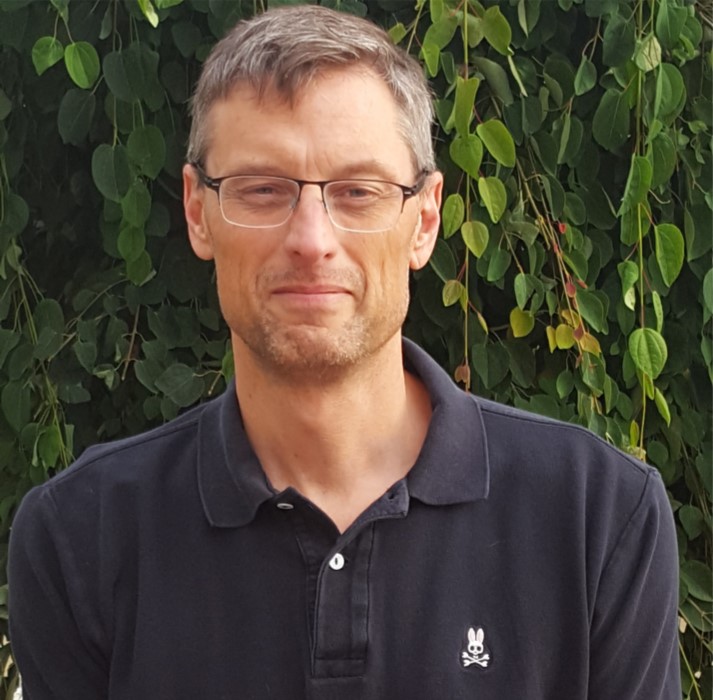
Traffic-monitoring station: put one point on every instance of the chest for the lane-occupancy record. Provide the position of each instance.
(446, 602)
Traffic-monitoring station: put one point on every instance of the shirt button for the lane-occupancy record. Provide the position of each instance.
(336, 562)
(285, 506)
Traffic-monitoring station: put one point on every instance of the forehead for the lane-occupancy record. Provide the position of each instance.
(338, 118)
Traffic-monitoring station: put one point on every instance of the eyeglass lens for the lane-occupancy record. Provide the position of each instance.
(354, 205)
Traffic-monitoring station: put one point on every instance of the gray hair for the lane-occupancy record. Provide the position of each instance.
(284, 49)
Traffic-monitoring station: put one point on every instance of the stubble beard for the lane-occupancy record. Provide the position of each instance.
(308, 353)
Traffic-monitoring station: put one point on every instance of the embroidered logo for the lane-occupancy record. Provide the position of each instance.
(475, 652)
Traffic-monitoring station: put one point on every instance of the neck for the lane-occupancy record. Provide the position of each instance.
(341, 442)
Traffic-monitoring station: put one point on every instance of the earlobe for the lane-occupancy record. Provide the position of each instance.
(429, 221)
(193, 202)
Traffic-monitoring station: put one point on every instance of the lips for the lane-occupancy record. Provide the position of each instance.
(310, 290)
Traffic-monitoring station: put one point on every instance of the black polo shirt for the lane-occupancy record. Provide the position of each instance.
(520, 559)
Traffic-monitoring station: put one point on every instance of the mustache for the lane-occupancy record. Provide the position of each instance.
(340, 277)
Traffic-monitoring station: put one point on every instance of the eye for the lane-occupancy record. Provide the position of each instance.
(258, 190)
(356, 191)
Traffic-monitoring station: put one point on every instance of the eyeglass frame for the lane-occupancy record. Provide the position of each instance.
(214, 183)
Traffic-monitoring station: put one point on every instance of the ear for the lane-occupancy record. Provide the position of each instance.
(194, 194)
(429, 221)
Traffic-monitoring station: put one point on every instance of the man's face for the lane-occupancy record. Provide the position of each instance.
(305, 298)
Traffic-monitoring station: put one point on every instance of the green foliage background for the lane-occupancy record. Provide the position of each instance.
(573, 276)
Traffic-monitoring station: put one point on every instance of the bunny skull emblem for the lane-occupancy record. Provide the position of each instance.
(475, 652)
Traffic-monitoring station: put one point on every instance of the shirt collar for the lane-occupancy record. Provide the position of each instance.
(451, 468)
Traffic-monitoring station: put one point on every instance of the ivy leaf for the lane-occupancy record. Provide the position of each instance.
(47, 51)
(454, 292)
(564, 138)
(591, 309)
(491, 362)
(147, 150)
(708, 291)
(475, 235)
(648, 54)
(496, 78)
(82, 62)
(629, 275)
(110, 171)
(662, 406)
(116, 76)
(86, 353)
(467, 153)
(16, 215)
(693, 520)
(136, 204)
(648, 351)
(474, 28)
(521, 322)
(672, 92)
(496, 30)
(453, 213)
(619, 41)
(610, 126)
(74, 118)
(658, 310)
(696, 576)
(492, 192)
(637, 184)
(49, 445)
(662, 156)
(131, 243)
(593, 373)
(465, 99)
(635, 223)
(442, 261)
(140, 269)
(180, 384)
(498, 265)
(590, 344)
(62, 7)
(670, 20)
(15, 401)
(431, 55)
(669, 251)
(397, 32)
(441, 32)
(498, 141)
(586, 77)
(528, 14)
(148, 11)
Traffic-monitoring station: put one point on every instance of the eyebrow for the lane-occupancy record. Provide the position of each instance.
(369, 168)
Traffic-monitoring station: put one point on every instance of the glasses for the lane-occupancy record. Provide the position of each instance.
(360, 206)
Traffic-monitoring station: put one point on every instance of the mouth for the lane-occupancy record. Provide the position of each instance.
(310, 290)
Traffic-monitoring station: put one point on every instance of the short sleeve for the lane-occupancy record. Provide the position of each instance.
(634, 634)
(51, 642)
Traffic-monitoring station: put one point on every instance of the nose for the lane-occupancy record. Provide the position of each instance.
(311, 235)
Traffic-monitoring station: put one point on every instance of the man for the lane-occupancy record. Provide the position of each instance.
(344, 522)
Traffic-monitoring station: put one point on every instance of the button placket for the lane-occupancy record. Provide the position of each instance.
(342, 610)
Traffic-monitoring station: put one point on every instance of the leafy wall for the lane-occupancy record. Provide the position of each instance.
(573, 276)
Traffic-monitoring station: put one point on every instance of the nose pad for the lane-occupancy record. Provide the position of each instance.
(311, 233)
(322, 200)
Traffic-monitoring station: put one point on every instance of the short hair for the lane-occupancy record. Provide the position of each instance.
(286, 48)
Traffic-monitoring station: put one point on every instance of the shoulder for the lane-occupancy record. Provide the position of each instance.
(514, 434)
(135, 462)
(568, 468)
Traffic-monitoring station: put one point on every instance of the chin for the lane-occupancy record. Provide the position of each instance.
(306, 353)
